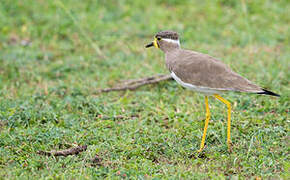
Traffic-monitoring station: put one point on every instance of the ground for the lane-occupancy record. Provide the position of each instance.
(55, 55)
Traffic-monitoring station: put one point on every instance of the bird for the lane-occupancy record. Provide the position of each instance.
(204, 74)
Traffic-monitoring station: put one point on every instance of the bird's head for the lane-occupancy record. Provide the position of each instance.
(165, 40)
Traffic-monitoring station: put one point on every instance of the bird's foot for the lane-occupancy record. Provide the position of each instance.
(229, 146)
(198, 154)
(200, 150)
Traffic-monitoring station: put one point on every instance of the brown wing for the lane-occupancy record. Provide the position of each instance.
(203, 70)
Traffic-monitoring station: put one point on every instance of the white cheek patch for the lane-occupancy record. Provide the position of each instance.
(172, 41)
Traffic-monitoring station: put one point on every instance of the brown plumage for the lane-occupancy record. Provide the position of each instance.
(202, 70)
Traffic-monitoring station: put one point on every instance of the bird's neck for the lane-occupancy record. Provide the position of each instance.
(170, 48)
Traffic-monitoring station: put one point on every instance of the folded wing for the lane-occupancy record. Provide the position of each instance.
(205, 71)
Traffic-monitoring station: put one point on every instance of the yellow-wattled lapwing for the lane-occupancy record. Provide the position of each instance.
(204, 74)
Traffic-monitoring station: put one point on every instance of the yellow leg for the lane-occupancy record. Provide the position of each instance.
(205, 125)
(229, 119)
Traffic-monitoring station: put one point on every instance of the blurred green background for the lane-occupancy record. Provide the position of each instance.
(55, 54)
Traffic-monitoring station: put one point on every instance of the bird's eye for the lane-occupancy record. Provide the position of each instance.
(159, 38)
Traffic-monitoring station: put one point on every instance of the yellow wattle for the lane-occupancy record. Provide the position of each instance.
(155, 43)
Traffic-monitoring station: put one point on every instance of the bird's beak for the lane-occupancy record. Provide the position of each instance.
(154, 43)
(149, 45)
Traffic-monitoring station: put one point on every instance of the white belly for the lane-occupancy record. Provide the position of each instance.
(201, 89)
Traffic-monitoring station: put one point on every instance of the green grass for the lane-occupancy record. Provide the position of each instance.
(54, 55)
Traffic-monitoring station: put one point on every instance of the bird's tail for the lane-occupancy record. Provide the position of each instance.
(266, 92)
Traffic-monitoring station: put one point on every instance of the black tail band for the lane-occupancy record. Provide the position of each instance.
(266, 92)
